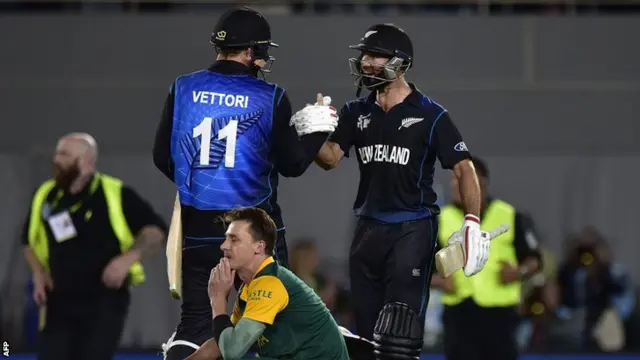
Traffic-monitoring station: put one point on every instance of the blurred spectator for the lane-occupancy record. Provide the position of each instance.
(540, 298)
(343, 310)
(304, 261)
(591, 284)
(84, 237)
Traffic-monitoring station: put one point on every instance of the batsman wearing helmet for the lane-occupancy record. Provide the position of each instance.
(398, 133)
(224, 138)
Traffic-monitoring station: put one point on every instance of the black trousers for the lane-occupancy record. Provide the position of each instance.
(475, 333)
(196, 322)
(390, 263)
(88, 330)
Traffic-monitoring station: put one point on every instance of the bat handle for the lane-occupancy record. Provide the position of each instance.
(498, 231)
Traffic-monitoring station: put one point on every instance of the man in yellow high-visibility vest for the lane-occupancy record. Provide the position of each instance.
(84, 238)
(480, 315)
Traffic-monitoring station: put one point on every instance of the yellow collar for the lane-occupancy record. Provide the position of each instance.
(264, 264)
(244, 287)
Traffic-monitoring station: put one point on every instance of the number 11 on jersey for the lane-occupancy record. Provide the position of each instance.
(230, 132)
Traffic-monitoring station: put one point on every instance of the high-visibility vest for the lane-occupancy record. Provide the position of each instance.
(485, 287)
(112, 188)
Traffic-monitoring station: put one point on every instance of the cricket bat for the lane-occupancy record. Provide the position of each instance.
(451, 258)
(174, 251)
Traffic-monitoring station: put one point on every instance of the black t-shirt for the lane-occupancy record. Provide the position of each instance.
(77, 264)
(290, 154)
(396, 152)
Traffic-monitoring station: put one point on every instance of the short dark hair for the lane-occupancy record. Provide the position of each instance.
(230, 51)
(261, 226)
(481, 167)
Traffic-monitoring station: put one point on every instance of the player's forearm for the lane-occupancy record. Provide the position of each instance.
(312, 144)
(207, 351)
(218, 305)
(295, 163)
(235, 341)
(31, 258)
(329, 155)
(149, 240)
(469, 187)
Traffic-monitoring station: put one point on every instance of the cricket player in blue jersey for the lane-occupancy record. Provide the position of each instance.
(224, 138)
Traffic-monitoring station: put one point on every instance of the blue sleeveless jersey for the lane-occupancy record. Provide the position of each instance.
(221, 140)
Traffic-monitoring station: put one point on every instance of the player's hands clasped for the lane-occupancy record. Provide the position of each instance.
(221, 280)
(320, 117)
(475, 243)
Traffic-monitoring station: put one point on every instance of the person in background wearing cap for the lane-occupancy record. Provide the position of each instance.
(480, 313)
(224, 137)
(398, 134)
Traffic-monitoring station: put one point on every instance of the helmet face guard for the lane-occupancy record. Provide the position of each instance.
(260, 51)
(398, 62)
(387, 74)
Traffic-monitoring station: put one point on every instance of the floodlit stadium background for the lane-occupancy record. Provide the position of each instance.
(548, 94)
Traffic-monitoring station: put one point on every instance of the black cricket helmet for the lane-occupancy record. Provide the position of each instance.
(244, 28)
(382, 40)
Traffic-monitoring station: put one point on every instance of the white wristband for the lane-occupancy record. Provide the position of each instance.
(471, 221)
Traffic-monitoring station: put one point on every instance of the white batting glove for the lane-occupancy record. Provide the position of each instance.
(475, 243)
(320, 117)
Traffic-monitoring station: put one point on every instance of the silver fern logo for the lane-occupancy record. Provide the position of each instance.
(408, 122)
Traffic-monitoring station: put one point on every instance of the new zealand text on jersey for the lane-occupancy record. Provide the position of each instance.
(384, 153)
(213, 98)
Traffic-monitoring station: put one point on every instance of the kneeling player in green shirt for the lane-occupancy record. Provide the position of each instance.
(276, 314)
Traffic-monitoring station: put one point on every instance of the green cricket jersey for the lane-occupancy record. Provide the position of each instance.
(299, 325)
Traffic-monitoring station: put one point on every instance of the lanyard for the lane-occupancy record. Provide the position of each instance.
(75, 207)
